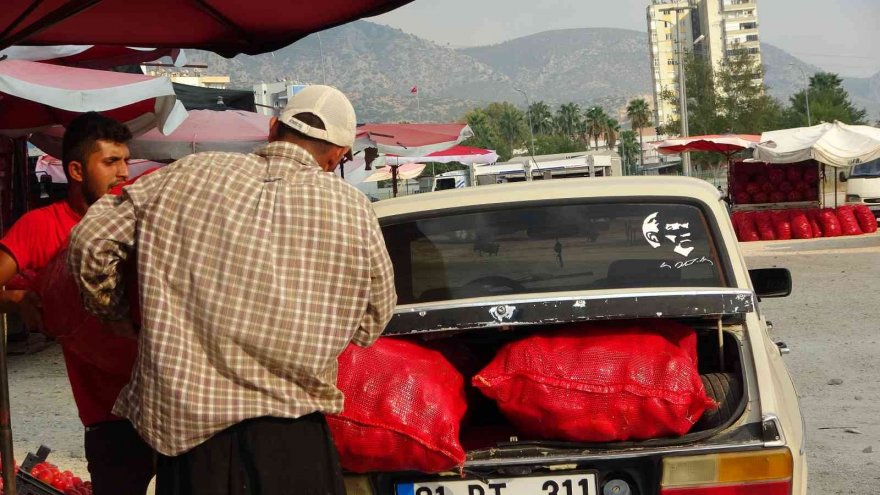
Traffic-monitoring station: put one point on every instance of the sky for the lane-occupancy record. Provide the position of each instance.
(841, 36)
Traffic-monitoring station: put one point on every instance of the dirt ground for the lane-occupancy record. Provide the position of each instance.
(831, 323)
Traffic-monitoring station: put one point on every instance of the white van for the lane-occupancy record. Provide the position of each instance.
(863, 185)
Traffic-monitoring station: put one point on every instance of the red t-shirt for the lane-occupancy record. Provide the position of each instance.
(34, 241)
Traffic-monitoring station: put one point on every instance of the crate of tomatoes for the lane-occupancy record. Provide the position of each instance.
(37, 477)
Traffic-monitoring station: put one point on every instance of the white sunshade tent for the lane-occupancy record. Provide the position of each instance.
(838, 145)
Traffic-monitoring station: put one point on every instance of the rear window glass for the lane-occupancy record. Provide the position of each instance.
(551, 248)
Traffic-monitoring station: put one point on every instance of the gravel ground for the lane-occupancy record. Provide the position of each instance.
(830, 322)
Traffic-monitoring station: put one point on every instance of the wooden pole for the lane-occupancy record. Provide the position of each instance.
(6, 455)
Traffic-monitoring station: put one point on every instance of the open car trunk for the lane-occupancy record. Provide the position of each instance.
(487, 433)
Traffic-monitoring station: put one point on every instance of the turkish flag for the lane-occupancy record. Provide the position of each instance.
(415, 89)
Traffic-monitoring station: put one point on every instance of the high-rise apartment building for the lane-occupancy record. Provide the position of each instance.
(671, 26)
(713, 29)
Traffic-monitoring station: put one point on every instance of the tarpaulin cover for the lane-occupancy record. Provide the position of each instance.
(836, 144)
(37, 95)
(403, 409)
(199, 98)
(227, 27)
(600, 382)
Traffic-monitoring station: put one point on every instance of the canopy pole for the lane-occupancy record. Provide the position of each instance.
(835, 189)
(6, 455)
(823, 185)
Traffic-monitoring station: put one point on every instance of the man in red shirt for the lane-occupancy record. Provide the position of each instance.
(95, 157)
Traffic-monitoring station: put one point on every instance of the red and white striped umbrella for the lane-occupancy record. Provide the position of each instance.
(35, 95)
(92, 56)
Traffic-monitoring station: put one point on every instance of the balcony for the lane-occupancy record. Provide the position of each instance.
(734, 5)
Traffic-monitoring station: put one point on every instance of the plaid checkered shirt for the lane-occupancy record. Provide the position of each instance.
(255, 272)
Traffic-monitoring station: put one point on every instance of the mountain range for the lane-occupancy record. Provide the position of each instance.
(378, 66)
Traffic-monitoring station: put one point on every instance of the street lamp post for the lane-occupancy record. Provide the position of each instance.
(682, 85)
(529, 114)
(806, 93)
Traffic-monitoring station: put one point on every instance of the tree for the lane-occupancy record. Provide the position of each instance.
(512, 126)
(639, 114)
(596, 121)
(612, 129)
(628, 149)
(829, 101)
(542, 118)
(568, 120)
(549, 144)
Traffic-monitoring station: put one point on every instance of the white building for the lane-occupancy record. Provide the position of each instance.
(713, 29)
(270, 98)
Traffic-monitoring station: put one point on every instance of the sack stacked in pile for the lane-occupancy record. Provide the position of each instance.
(775, 184)
(847, 220)
(403, 409)
(600, 383)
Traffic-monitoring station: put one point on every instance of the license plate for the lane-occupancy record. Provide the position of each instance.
(575, 484)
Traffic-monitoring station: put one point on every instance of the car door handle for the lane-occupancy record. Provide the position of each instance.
(783, 348)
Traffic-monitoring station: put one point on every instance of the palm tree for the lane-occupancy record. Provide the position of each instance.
(596, 119)
(639, 114)
(612, 129)
(568, 119)
(628, 150)
(511, 125)
(542, 118)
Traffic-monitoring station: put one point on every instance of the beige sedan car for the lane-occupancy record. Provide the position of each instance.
(488, 264)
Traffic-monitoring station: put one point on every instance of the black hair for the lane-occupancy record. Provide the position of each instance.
(311, 120)
(83, 134)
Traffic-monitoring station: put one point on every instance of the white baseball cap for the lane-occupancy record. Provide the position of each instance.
(329, 105)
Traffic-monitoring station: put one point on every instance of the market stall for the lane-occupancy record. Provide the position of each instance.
(792, 161)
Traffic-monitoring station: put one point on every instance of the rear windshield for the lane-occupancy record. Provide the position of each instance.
(551, 248)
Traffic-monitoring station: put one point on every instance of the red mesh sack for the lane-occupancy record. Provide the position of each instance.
(781, 225)
(81, 333)
(786, 187)
(777, 197)
(800, 225)
(742, 198)
(794, 196)
(403, 409)
(866, 218)
(813, 216)
(830, 223)
(747, 231)
(753, 188)
(768, 187)
(793, 174)
(776, 175)
(765, 226)
(811, 175)
(600, 382)
(802, 186)
(760, 198)
(849, 225)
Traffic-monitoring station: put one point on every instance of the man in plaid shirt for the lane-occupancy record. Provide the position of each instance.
(255, 272)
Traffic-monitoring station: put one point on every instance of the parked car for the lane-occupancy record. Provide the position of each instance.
(863, 185)
(484, 266)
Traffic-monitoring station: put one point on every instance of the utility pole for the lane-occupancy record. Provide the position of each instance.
(806, 93)
(529, 114)
(682, 90)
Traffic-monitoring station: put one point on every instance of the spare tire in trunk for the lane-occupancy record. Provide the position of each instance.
(726, 390)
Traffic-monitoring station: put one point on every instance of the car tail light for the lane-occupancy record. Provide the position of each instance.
(765, 472)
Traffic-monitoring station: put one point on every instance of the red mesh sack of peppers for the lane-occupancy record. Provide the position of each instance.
(403, 409)
(600, 382)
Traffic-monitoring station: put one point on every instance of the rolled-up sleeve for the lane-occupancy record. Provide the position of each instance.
(383, 297)
(99, 245)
